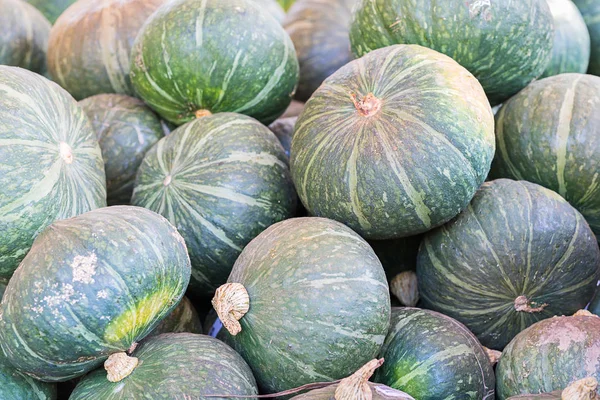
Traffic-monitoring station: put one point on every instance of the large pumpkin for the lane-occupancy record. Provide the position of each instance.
(195, 56)
(51, 9)
(393, 144)
(549, 134)
(91, 286)
(505, 44)
(90, 44)
(518, 254)
(590, 9)
(51, 166)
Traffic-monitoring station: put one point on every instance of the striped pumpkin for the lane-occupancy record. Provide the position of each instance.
(590, 9)
(195, 56)
(51, 164)
(15, 385)
(51, 9)
(91, 286)
(362, 149)
(549, 134)
(90, 44)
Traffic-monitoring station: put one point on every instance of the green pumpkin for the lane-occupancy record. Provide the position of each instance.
(51, 167)
(362, 148)
(18, 386)
(91, 286)
(184, 318)
(590, 9)
(505, 44)
(51, 9)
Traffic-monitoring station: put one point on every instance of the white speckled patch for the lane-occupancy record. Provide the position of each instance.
(84, 268)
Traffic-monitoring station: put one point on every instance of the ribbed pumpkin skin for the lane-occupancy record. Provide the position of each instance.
(319, 30)
(548, 134)
(51, 9)
(504, 44)
(319, 303)
(379, 392)
(183, 318)
(91, 286)
(590, 9)
(378, 173)
(90, 44)
(42, 129)
(16, 385)
(549, 356)
(188, 58)
(515, 239)
(126, 129)
(434, 357)
(174, 366)
(571, 50)
(221, 180)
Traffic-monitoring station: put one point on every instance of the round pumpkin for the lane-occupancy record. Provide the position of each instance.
(549, 134)
(184, 318)
(590, 9)
(194, 56)
(126, 129)
(319, 30)
(362, 152)
(16, 385)
(51, 9)
(518, 254)
(221, 180)
(89, 287)
(90, 44)
(51, 164)
(23, 36)
(312, 302)
(505, 44)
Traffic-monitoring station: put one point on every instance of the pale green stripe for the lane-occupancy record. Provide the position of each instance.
(562, 135)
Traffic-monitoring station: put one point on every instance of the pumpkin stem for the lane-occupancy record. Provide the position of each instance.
(493, 355)
(522, 304)
(356, 387)
(583, 389)
(584, 313)
(66, 153)
(368, 105)
(202, 113)
(404, 287)
(231, 302)
(119, 366)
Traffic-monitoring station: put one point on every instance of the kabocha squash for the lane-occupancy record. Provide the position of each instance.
(590, 9)
(319, 30)
(90, 287)
(550, 355)
(174, 365)
(51, 9)
(518, 254)
(18, 386)
(312, 303)
(183, 318)
(571, 50)
(583, 389)
(221, 180)
(362, 149)
(187, 61)
(90, 44)
(548, 134)
(24, 36)
(434, 357)
(505, 44)
(126, 129)
(51, 166)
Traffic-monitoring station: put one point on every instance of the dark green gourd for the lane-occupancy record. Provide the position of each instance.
(590, 9)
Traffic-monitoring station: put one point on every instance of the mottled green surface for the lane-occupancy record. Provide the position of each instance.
(433, 357)
(549, 134)
(90, 44)
(515, 239)
(51, 9)
(379, 392)
(397, 255)
(42, 129)
(91, 286)
(283, 128)
(175, 366)
(188, 57)
(505, 44)
(590, 9)
(319, 30)
(319, 303)
(549, 356)
(407, 168)
(15, 385)
(221, 180)
(126, 129)
(183, 318)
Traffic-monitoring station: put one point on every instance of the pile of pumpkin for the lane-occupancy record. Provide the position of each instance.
(151, 149)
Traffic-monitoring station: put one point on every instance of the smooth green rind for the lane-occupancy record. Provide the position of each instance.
(505, 44)
(126, 129)
(188, 58)
(221, 180)
(51, 9)
(319, 30)
(90, 44)
(380, 174)
(549, 356)
(183, 318)
(175, 366)
(42, 129)
(91, 286)
(319, 303)
(590, 9)
(548, 134)
(515, 239)
(15, 385)
(378, 391)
